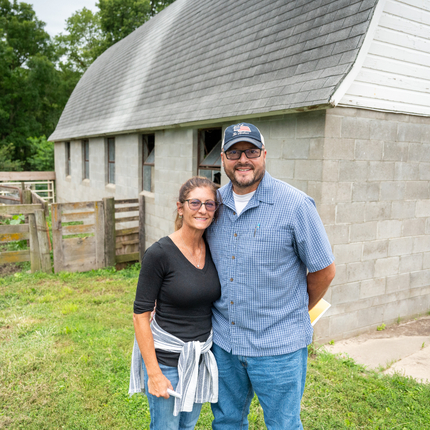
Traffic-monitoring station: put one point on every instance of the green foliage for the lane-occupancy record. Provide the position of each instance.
(381, 327)
(43, 154)
(6, 163)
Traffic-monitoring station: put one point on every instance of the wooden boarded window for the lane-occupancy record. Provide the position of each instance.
(68, 160)
(86, 158)
(209, 154)
(111, 160)
(148, 158)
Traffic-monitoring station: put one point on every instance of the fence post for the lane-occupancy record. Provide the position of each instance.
(26, 197)
(99, 233)
(109, 230)
(34, 244)
(57, 237)
(45, 256)
(142, 234)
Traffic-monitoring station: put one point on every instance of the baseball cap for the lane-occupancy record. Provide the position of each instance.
(242, 132)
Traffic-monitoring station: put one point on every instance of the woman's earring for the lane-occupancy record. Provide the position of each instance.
(180, 216)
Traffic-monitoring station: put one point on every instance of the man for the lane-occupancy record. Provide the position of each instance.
(268, 235)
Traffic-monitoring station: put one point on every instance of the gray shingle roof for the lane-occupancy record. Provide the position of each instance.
(204, 60)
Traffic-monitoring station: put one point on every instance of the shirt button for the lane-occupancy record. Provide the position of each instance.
(234, 213)
(232, 322)
(232, 257)
(235, 235)
(232, 303)
(231, 279)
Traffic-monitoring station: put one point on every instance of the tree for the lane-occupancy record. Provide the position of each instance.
(158, 6)
(43, 154)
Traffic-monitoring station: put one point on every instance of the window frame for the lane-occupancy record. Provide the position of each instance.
(108, 160)
(85, 160)
(68, 159)
(200, 158)
(147, 140)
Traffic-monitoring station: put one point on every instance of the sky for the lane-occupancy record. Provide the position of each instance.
(55, 12)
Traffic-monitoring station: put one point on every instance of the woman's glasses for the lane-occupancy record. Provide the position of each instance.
(195, 204)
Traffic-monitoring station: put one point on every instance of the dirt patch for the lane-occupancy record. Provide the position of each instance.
(416, 327)
(9, 269)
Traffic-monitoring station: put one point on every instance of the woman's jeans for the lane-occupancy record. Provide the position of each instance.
(161, 409)
(278, 381)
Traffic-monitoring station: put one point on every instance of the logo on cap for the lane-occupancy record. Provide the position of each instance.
(241, 129)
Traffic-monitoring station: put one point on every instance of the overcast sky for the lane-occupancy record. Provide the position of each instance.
(55, 12)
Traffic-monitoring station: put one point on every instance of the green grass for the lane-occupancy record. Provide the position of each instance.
(65, 349)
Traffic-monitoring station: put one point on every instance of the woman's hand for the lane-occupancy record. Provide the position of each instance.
(158, 385)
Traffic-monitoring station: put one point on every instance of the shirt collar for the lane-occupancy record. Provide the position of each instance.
(264, 192)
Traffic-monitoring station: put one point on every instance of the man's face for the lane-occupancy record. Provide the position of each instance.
(245, 173)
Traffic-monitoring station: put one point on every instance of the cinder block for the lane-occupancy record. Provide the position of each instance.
(339, 149)
(345, 293)
(348, 253)
(372, 288)
(355, 128)
(376, 211)
(365, 191)
(333, 125)
(374, 250)
(338, 233)
(363, 232)
(424, 171)
(411, 263)
(398, 282)
(280, 168)
(416, 190)
(400, 246)
(316, 149)
(395, 151)
(351, 171)
(371, 316)
(402, 210)
(315, 190)
(420, 279)
(300, 185)
(422, 208)
(368, 150)
(284, 128)
(414, 227)
(330, 170)
(327, 213)
(421, 244)
(341, 275)
(311, 124)
(428, 226)
(389, 229)
(392, 190)
(383, 130)
(394, 310)
(310, 170)
(426, 260)
(406, 171)
(349, 213)
(407, 132)
(360, 271)
(341, 324)
(381, 171)
(294, 149)
(387, 266)
(419, 152)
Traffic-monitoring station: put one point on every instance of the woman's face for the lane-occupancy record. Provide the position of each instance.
(200, 218)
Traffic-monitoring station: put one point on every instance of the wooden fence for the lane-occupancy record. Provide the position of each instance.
(91, 235)
(35, 231)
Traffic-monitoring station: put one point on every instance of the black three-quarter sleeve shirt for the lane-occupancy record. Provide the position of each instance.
(184, 294)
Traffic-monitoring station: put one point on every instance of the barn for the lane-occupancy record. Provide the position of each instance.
(340, 90)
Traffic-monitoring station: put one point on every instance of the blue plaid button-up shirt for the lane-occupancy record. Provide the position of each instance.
(262, 257)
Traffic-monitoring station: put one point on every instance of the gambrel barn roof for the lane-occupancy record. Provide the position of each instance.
(205, 60)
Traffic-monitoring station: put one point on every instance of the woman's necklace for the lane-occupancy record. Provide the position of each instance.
(191, 255)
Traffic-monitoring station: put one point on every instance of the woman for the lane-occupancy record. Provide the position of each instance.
(178, 274)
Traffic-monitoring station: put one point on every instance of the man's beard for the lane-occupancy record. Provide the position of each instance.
(257, 177)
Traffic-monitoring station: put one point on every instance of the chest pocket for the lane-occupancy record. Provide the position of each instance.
(269, 245)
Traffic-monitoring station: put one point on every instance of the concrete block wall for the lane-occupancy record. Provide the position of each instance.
(375, 204)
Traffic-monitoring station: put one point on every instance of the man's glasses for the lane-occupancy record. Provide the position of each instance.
(195, 204)
(235, 154)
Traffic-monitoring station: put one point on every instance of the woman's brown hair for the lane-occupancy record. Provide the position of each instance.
(191, 184)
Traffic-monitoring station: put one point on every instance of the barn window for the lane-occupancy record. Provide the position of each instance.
(86, 158)
(209, 154)
(111, 160)
(148, 158)
(68, 160)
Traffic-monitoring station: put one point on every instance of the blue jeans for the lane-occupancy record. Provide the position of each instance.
(278, 381)
(161, 409)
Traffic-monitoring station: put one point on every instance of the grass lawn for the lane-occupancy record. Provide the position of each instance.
(65, 349)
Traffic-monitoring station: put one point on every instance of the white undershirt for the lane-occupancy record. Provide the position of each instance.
(241, 200)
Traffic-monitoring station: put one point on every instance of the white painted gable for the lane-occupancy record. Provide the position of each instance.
(392, 71)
